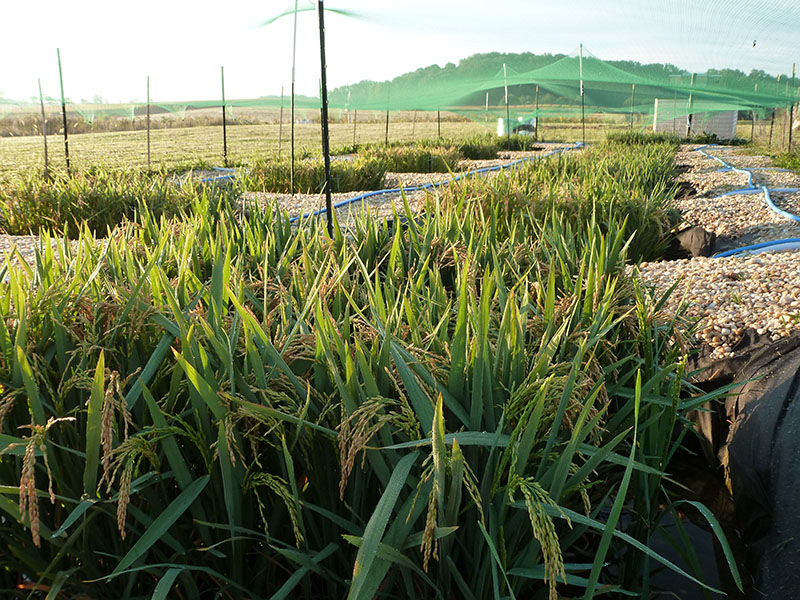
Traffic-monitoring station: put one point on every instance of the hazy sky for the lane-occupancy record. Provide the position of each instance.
(108, 48)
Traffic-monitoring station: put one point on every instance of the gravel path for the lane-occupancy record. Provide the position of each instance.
(730, 295)
(739, 215)
(14, 246)
(304, 204)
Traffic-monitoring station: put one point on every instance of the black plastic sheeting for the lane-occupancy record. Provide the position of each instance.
(756, 436)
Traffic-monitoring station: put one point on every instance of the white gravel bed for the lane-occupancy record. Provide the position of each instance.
(395, 180)
(776, 179)
(743, 161)
(790, 202)
(713, 183)
(695, 161)
(731, 216)
(730, 295)
(14, 246)
(300, 204)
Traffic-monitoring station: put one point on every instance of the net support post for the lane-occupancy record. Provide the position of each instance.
(63, 110)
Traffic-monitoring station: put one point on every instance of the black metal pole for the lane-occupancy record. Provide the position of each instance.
(508, 113)
(753, 126)
(783, 132)
(294, 63)
(791, 111)
(326, 154)
(633, 99)
(536, 131)
(689, 115)
(63, 109)
(439, 122)
(386, 142)
(280, 127)
(771, 127)
(224, 122)
(674, 114)
(583, 102)
(148, 121)
(44, 131)
(583, 119)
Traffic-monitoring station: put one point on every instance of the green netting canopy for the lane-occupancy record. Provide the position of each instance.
(552, 88)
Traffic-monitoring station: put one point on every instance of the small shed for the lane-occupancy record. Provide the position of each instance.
(672, 116)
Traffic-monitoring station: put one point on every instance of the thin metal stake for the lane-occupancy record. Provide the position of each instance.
(791, 112)
(386, 142)
(771, 127)
(633, 99)
(508, 114)
(583, 105)
(294, 63)
(355, 122)
(148, 121)
(689, 118)
(280, 127)
(326, 154)
(63, 109)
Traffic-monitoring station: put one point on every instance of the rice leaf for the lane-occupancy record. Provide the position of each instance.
(373, 532)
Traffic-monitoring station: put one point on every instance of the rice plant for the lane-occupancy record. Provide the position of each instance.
(99, 199)
(224, 406)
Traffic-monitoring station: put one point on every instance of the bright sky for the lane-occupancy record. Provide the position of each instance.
(181, 45)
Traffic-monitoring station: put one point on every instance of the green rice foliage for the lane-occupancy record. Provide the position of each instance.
(230, 406)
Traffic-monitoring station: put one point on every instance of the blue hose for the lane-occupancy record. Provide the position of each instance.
(741, 192)
(220, 178)
(775, 245)
(433, 185)
(727, 166)
(786, 244)
(778, 210)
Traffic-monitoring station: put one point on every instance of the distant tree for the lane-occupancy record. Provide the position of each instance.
(434, 81)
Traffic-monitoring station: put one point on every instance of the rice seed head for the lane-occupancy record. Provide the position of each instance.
(28, 501)
(27, 490)
(355, 432)
(280, 488)
(113, 403)
(430, 545)
(535, 497)
(124, 497)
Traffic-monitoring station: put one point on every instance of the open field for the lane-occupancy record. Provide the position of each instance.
(181, 148)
